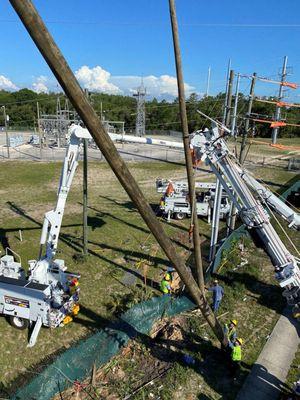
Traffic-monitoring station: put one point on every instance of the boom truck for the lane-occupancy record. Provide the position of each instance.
(242, 189)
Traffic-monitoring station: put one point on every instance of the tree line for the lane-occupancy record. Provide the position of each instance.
(161, 115)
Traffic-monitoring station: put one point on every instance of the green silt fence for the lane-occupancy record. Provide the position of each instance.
(77, 362)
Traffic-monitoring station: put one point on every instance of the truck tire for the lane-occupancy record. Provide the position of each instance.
(179, 215)
(18, 323)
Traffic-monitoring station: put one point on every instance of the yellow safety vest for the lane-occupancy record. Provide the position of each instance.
(236, 354)
(164, 285)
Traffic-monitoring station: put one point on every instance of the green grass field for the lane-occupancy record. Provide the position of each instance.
(118, 239)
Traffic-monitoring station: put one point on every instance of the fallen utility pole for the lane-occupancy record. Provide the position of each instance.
(54, 58)
(187, 152)
(245, 132)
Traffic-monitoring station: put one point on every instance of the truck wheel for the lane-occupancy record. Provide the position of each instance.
(18, 323)
(179, 215)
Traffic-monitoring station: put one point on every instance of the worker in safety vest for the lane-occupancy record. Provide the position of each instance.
(230, 330)
(165, 284)
(236, 355)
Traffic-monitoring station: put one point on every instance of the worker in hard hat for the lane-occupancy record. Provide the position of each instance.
(236, 355)
(230, 330)
(218, 293)
(165, 284)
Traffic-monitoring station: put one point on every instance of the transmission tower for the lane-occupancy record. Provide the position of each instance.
(140, 113)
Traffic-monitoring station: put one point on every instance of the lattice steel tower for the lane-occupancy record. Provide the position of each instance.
(140, 112)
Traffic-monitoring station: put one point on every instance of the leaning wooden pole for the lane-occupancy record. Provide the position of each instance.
(53, 56)
(186, 143)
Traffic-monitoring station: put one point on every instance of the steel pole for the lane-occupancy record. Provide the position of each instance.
(54, 58)
(236, 101)
(39, 128)
(186, 143)
(233, 209)
(208, 82)
(280, 97)
(218, 193)
(6, 131)
(247, 122)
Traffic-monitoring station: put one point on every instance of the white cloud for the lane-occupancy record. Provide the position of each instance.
(96, 79)
(99, 80)
(156, 86)
(41, 85)
(7, 84)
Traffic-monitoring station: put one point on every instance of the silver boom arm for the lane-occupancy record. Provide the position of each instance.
(53, 218)
(216, 154)
(270, 198)
(286, 212)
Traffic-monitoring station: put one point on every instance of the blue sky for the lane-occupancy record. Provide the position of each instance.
(118, 41)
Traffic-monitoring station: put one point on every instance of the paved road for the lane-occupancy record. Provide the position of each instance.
(269, 373)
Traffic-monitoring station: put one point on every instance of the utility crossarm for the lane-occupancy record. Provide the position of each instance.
(215, 152)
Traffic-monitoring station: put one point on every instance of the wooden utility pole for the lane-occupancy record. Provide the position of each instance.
(53, 56)
(229, 99)
(245, 131)
(85, 197)
(186, 143)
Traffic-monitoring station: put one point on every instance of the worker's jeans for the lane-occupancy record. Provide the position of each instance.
(216, 305)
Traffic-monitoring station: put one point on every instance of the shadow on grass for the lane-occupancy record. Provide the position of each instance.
(265, 294)
(76, 244)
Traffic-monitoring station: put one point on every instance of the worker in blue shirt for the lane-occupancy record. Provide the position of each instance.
(218, 293)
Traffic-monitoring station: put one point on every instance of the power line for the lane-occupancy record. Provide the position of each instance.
(162, 23)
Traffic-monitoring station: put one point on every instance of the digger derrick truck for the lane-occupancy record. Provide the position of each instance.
(48, 293)
(212, 148)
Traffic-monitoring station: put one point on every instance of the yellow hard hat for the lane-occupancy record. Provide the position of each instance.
(167, 277)
(234, 321)
(240, 341)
